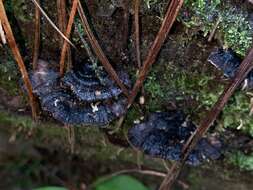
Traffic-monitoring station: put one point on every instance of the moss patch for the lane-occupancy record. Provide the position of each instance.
(233, 27)
(245, 162)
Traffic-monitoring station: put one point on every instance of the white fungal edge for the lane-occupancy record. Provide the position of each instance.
(213, 64)
(217, 67)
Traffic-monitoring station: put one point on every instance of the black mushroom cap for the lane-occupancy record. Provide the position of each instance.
(228, 62)
(90, 85)
(164, 134)
(65, 107)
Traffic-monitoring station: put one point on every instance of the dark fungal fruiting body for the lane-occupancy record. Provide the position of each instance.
(63, 104)
(228, 62)
(164, 134)
(90, 86)
(64, 108)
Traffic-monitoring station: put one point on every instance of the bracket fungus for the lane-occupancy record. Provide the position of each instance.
(164, 134)
(89, 85)
(63, 103)
(228, 62)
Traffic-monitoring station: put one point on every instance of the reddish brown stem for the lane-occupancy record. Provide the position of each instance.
(67, 34)
(18, 58)
(137, 32)
(99, 52)
(36, 47)
(245, 67)
(62, 20)
(61, 9)
(167, 23)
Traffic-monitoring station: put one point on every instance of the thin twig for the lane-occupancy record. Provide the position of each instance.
(2, 35)
(18, 58)
(168, 21)
(98, 50)
(165, 164)
(71, 137)
(92, 58)
(245, 67)
(140, 171)
(145, 172)
(137, 32)
(62, 22)
(36, 47)
(68, 31)
(61, 12)
(51, 22)
(210, 38)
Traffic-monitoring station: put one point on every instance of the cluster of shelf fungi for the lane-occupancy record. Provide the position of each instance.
(87, 96)
(82, 97)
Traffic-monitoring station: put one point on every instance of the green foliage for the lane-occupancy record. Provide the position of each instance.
(237, 31)
(9, 74)
(18, 7)
(153, 87)
(236, 113)
(245, 162)
(179, 85)
(122, 182)
(233, 26)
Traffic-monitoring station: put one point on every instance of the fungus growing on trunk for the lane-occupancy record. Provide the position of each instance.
(63, 104)
(164, 134)
(228, 62)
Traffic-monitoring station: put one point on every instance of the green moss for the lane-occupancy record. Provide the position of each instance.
(237, 114)
(153, 87)
(9, 75)
(195, 93)
(179, 85)
(132, 115)
(233, 26)
(19, 7)
(245, 162)
(7, 119)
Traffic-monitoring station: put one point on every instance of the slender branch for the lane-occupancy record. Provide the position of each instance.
(245, 67)
(62, 22)
(137, 32)
(71, 137)
(36, 47)
(140, 171)
(2, 35)
(92, 58)
(98, 50)
(145, 172)
(18, 58)
(68, 31)
(168, 21)
(210, 38)
(61, 12)
(51, 22)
